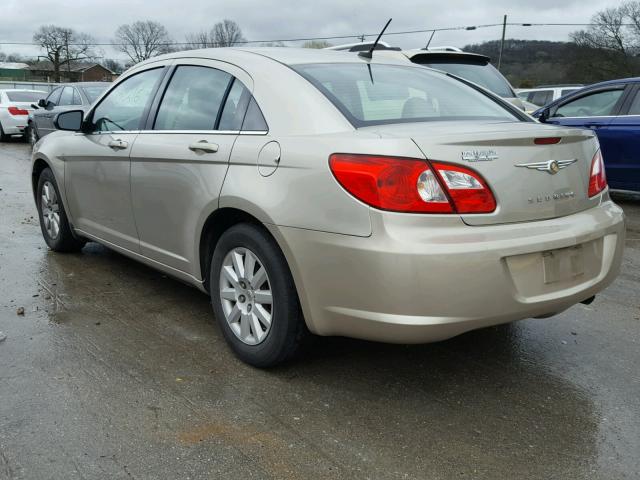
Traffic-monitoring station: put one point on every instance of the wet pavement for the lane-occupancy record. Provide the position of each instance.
(116, 371)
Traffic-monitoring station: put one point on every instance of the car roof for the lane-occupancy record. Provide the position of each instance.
(87, 84)
(283, 55)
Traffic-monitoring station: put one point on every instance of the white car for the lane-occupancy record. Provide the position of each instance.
(15, 106)
(542, 96)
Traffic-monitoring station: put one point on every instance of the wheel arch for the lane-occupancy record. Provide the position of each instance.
(39, 164)
(218, 222)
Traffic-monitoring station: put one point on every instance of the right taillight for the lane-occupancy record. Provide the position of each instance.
(412, 185)
(597, 177)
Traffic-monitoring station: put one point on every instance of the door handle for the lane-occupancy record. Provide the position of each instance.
(118, 144)
(204, 146)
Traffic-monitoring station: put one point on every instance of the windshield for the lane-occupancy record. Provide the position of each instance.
(374, 94)
(94, 92)
(483, 74)
(25, 96)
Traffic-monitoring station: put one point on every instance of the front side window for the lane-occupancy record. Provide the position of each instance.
(596, 104)
(123, 107)
(374, 94)
(541, 97)
(54, 97)
(635, 106)
(192, 99)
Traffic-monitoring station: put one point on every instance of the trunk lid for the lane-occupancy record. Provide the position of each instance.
(522, 193)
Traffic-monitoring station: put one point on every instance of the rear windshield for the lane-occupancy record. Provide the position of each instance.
(93, 92)
(374, 94)
(25, 96)
(482, 73)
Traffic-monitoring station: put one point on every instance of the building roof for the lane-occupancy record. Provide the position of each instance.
(14, 66)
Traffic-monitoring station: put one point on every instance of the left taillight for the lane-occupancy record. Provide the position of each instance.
(17, 111)
(412, 185)
(597, 177)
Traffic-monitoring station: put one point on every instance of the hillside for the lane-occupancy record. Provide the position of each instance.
(528, 63)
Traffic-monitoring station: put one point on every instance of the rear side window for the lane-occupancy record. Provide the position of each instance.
(596, 104)
(254, 120)
(483, 74)
(235, 107)
(123, 107)
(374, 94)
(193, 99)
(76, 98)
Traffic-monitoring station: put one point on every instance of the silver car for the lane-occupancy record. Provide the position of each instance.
(323, 192)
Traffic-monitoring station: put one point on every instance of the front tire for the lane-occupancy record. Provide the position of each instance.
(254, 298)
(32, 135)
(53, 218)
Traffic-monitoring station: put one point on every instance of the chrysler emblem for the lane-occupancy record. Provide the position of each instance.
(550, 166)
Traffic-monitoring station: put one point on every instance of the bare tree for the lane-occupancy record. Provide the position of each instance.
(142, 40)
(614, 30)
(223, 34)
(201, 39)
(316, 44)
(62, 46)
(227, 33)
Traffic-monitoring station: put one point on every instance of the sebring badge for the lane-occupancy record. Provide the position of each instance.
(479, 155)
(550, 166)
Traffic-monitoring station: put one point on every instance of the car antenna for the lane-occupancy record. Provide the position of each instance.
(430, 38)
(369, 54)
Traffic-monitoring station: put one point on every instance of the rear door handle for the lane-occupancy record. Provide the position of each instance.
(204, 146)
(118, 144)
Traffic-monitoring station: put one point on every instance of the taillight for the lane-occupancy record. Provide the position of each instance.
(468, 190)
(411, 185)
(17, 111)
(597, 178)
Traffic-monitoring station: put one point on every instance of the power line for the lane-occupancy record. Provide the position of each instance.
(360, 37)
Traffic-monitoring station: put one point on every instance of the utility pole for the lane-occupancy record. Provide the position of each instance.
(504, 29)
(362, 37)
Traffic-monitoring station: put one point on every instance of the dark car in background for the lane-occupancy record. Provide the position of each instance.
(612, 110)
(65, 97)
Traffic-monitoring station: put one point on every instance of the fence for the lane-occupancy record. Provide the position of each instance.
(26, 85)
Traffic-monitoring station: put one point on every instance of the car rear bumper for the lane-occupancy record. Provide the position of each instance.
(418, 279)
(14, 125)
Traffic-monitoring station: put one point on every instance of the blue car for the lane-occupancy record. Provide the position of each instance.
(612, 110)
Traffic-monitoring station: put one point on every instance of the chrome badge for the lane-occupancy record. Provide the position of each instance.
(479, 155)
(550, 166)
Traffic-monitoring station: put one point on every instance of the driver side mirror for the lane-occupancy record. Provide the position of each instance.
(544, 115)
(70, 120)
(42, 103)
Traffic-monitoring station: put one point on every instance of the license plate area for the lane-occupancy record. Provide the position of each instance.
(563, 264)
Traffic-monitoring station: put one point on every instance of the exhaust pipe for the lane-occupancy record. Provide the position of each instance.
(588, 301)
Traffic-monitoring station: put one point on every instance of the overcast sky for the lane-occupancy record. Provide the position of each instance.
(272, 19)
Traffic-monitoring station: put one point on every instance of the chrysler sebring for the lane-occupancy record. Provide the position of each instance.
(321, 192)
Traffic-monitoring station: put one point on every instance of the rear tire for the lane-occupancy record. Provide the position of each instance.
(250, 282)
(53, 218)
(3, 136)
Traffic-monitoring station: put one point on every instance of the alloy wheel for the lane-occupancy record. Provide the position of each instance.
(50, 210)
(245, 293)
